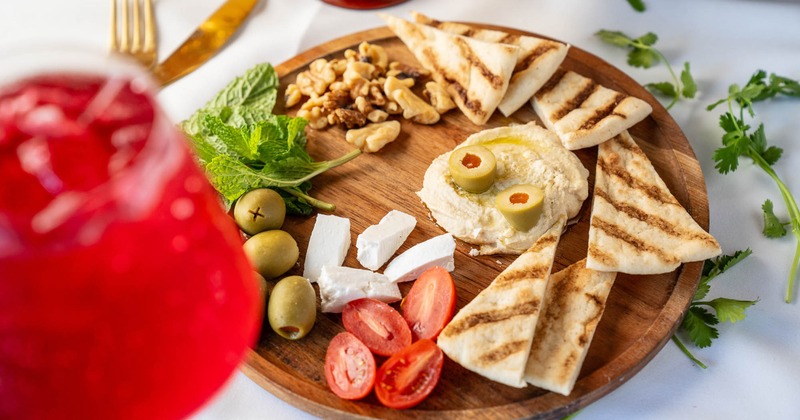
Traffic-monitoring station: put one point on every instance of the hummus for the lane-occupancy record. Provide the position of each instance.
(526, 154)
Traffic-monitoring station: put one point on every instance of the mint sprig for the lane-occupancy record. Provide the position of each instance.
(243, 146)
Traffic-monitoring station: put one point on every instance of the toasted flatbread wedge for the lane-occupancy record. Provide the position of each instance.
(583, 113)
(574, 303)
(637, 225)
(475, 73)
(492, 334)
(538, 59)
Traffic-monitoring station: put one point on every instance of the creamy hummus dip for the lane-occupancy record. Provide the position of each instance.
(526, 154)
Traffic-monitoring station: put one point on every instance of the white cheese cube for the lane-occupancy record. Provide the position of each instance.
(340, 285)
(437, 251)
(328, 244)
(379, 242)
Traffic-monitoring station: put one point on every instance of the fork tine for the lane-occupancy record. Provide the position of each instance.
(124, 44)
(149, 26)
(113, 35)
(136, 44)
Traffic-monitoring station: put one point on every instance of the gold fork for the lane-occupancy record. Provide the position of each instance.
(137, 36)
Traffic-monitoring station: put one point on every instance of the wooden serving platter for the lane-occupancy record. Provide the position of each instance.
(642, 312)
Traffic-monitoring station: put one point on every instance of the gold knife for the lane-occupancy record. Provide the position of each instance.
(206, 40)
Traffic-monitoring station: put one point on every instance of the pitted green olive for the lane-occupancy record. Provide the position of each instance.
(473, 168)
(521, 205)
(259, 210)
(272, 253)
(292, 308)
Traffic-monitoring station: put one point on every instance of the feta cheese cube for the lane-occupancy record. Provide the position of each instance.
(328, 245)
(379, 242)
(437, 251)
(340, 285)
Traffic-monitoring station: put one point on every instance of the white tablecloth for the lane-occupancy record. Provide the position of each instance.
(754, 367)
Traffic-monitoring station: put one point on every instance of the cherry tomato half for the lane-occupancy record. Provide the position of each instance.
(379, 326)
(349, 367)
(430, 303)
(409, 376)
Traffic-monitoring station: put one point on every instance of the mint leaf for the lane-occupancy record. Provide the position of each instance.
(773, 227)
(257, 87)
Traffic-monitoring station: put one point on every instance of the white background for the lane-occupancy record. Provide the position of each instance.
(754, 367)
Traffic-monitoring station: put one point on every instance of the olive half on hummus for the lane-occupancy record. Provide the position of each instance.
(525, 155)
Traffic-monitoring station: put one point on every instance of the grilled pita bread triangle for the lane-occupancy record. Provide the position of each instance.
(637, 225)
(583, 113)
(574, 303)
(492, 334)
(538, 59)
(475, 73)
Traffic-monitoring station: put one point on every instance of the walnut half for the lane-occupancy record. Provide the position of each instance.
(414, 107)
(374, 136)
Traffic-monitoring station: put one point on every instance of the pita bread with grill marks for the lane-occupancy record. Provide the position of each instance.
(574, 303)
(637, 225)
(538, 59)
(475, 73)
(492, 334)
(583, 113)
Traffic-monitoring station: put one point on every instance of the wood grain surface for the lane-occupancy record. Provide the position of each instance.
(642, 312)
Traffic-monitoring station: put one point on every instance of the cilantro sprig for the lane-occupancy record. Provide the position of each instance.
(642, 53)
(699, 323)
(243, 146)
(739, 140)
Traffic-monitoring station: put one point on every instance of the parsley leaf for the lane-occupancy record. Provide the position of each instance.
(243, 146)
(738, 141)
(699, 323)
(773, 227)
(642, 53)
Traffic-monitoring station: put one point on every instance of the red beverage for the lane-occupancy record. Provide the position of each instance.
(124, 290)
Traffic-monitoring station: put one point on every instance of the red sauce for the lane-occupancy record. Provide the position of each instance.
(363, 4)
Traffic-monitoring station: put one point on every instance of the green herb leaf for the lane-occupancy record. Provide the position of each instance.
(698, 323)
(664, 88)
(773, 227)
(242, 145)
(637, 5)
(737, 141)
(730, 310)
(689, 85)
(614, 38)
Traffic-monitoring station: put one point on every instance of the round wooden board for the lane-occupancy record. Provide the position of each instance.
(642, 311)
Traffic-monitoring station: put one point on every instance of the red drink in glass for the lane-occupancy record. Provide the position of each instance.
(124, 290)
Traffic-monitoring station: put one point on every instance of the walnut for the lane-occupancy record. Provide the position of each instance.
(374, 136)
(347, 117)
(365, 107)
(313, 111)
(414, 107)
(439, 97)
(317, 78)
(292, 96)
(335, 99)
(404, 71)
(374, 54)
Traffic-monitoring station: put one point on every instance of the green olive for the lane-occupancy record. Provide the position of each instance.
(292, 308)
(263, 286)
(521, 205)
(473, 168)
(272, 253)
(259, 210)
